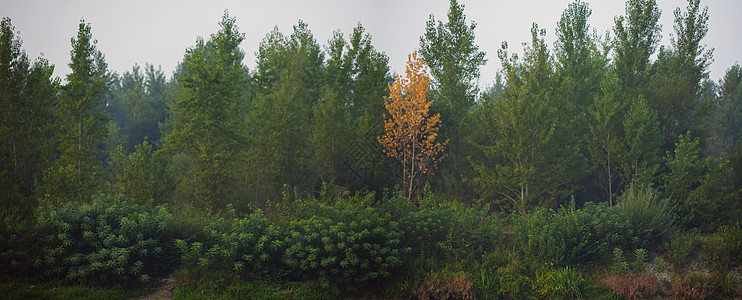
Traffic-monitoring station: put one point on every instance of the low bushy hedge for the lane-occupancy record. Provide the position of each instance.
(568, 236)
(245, 245)
(342, 243)
(108, 240)
(347, 243)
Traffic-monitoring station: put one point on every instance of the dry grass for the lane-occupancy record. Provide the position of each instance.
(696, 285)
(637, 285)
(445, 286)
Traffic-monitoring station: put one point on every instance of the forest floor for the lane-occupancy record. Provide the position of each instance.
(164, 292)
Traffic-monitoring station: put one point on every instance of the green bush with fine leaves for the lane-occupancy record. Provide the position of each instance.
(108, 240)
(345, 243)
(340, 243)
(652, 217)
(569, 236)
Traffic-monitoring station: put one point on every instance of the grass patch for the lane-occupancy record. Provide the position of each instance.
(60, 290)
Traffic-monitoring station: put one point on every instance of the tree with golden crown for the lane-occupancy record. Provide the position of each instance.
(410, 132)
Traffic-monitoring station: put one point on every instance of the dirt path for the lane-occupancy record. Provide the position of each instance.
(164, 292)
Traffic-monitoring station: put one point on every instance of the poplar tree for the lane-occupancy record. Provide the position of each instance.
(454, 59)
(286, 84)
(27, 95)
(679, 72)
(637, 35)
(349, 115)
(527, 156)
(77, 173)
(207, 117)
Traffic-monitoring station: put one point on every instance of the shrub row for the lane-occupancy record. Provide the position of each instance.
(343, 243)
(347, 242)
(108, 240)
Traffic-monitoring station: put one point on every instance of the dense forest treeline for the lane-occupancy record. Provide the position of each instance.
(593, 120)
(585, 117)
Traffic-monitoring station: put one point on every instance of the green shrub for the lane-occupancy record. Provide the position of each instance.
(474, 230)
(725, 285)
(681, 246)
(426, 231)
(569, 236)
(344, 243)
(501, 275)
(450, 230)
(142, 175)
(16, 248)
(244, 245)
(341, 243)
(652, 218)
(619, 261)
(559, 283)
(108, 240)
(723, 249)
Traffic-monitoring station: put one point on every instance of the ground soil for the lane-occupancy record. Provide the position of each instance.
(163, 292)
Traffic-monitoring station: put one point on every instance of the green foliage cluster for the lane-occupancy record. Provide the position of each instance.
(15, 247)
(682, 246)
(569, 236)
(143, 175)
(723, 249)
(699, 186)
(651, 217)
(451, 230)
(589, 118)
(345, 243)
(621, 265)
(246, 245)
(560, 283)
(108, 240)
(342, 243)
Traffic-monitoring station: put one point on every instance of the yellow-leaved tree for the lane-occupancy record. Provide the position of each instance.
(410, 132)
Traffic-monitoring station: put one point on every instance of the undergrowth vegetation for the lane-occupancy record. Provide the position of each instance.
(335, 247)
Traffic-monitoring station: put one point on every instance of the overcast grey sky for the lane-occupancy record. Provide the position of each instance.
(158, 32)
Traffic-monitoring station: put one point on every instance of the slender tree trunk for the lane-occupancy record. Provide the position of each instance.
(610, 182)
(610, 174)
(13, 140)
(412, 175)
(79, 148)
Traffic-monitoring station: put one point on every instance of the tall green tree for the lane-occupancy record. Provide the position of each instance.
(207, 117)
(77, 173)
(643, 140)
(637, 35)
(285, 87)
(605, 136)
(132, 84)
(142, 96)
(527, 157)
(346, 117)
(27, 94)
(700, 187)
(580, 63)
(454, 59)
(725, 120)
(142, 176)
(679, 72)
